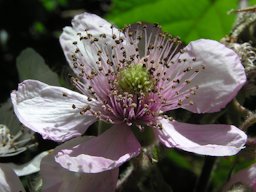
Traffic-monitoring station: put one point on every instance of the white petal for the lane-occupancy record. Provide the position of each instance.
(71, 40)
(57, 178)
(212, 139)
(30, 167)
(93, 24)
(246, 177)
(219, 82)
(48, 110)
(104, 152)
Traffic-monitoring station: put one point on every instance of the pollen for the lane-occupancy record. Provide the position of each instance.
(135, 79)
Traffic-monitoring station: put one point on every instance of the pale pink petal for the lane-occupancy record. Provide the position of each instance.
(149, 35)
(105, 152)
(94, 25)
(219, 82)
(85, 29)
(246, 177)
(48, 110)
(58, 179)
(9, 181)
(212, 139)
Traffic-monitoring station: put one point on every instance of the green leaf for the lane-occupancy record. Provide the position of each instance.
(49, 5)
(39, 27)
(120, 6)
(188, 19)
(178, 159)
(31, 65)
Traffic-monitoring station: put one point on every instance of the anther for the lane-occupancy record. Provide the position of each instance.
(188, 81)
(180, 102)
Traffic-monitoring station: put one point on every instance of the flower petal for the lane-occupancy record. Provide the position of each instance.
(105, 152)
(85, 38)
(221, 79)
(246, 177)
(94, 25)
(30, 167)
(213, 140)
(9, 181)
(48, 110)
(56, 178)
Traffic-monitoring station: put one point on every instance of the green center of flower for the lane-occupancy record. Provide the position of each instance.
(135, 79)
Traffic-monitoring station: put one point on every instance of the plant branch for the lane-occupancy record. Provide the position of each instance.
(203, 180)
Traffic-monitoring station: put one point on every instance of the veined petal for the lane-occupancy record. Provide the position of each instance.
(9, 181)
(105, 152)
(246, 177)
(221, 79)
(30, 167)
(94, 25)
(58, 179)
(48, 110)
(213, 140)
(81, 42)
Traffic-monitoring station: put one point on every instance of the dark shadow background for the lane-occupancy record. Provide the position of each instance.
(36, 24)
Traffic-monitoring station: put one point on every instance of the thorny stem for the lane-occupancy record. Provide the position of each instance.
(203, 180)
(131, 177)
(124, 177)
(250, 116)
(143, 175)
(211, 118)
(248, 122)
(236, 114)
(241, 109)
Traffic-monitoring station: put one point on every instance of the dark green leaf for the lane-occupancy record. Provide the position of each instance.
(178, 159)
(31, 65)
(188, 19)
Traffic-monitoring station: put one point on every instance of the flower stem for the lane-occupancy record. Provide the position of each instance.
(203, 180)
(251, 120)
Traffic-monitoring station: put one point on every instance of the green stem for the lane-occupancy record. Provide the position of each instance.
(204, 178)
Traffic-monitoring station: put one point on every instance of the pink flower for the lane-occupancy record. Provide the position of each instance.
(130, 78)
(245, 177)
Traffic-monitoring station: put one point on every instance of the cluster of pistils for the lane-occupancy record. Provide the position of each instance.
(171, 88)
(14, 144)
(131, 108)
